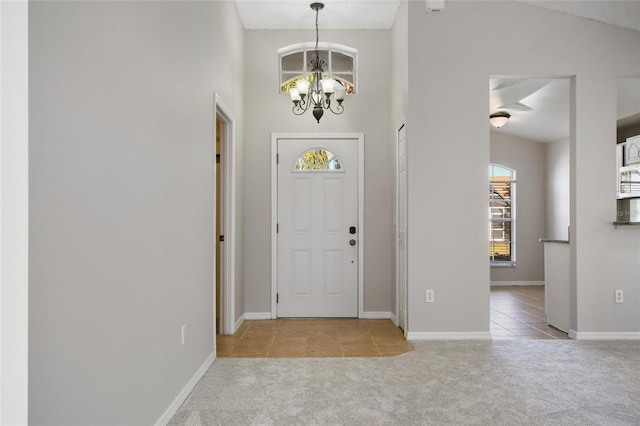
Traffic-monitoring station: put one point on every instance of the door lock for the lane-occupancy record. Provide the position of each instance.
(352, 242)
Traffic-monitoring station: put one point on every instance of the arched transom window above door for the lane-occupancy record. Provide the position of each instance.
(341, 64)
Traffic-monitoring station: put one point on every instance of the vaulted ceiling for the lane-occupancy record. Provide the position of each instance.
(548, 114)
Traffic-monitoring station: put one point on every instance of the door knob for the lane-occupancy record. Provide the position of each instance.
(352, 242)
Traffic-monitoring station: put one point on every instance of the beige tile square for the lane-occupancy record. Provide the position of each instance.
(315, 351)
(360, 350)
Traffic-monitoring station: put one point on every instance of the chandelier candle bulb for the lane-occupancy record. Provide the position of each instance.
(295, 95)
(302, 86)
(327, 85)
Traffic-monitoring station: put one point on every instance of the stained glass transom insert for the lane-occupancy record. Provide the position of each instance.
(317, 159)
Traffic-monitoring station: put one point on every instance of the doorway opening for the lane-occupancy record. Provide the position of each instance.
(224, 213)
(533, 143)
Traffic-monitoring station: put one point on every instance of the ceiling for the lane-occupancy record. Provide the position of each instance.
(548, 117)
(380, 14)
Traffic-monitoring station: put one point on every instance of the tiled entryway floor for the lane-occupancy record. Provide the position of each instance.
(517, 312)
(304, 338)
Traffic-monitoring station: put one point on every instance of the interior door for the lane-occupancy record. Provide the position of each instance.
(402, 229)
(317, 236)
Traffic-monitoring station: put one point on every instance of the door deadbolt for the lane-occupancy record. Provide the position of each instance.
(352, 242)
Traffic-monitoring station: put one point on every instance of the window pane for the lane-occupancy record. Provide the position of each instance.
(341, 62)
(346, 80)
(500, 231)
(499, 251)
(293, 62)
(318, 159)
(500, 189)
(499, 211)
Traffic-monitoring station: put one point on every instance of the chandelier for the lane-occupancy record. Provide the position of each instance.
(315, 90)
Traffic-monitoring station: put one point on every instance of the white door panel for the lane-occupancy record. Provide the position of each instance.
(317, 265)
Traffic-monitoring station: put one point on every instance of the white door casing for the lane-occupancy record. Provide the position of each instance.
(316, 260)
(228, 228)
(401, 249)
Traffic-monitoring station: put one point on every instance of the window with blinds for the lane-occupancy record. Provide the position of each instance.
(502, 186)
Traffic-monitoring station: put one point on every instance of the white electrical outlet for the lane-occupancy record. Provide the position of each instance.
(619, 296)
(184, 334)
(429, 296)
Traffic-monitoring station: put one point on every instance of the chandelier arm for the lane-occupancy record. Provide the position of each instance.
(338, 109)
(301, 107)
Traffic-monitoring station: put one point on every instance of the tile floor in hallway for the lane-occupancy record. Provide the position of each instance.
(303, 338)
(517, 312)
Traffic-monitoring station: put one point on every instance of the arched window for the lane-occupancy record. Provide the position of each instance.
(318, 159)
(342, 64)
(502, 215)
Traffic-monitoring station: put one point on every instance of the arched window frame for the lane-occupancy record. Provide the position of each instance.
(307, 49)
(499, 220)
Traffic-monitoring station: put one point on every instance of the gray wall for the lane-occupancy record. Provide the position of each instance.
(121, 195)
(526, 157)
(451, 56)
(558, 195)
(367, 111)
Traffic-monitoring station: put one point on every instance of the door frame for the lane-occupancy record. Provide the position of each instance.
(228, 223)
(404, 320)
(359, 137)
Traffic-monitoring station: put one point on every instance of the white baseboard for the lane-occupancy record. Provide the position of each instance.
(515, 283)
(257, 315)
(604, 335)
(376, 315)
(184, 393)
(448, 335)
(394, 319)
(238, 323)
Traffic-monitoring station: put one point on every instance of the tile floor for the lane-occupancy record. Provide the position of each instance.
(518, 313)
(303, 338)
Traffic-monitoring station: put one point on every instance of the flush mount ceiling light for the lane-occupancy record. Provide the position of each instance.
(499, 119)
(316, 88)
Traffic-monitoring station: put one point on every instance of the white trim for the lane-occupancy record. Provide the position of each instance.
(604, 335)
(377, 315)
(515, 283)
(184, 393)
(238, 323)
(257, 315)
(274, 210)
(448, 335)
(228, 261)
(14, 213)
(396, 319)
(393, 318)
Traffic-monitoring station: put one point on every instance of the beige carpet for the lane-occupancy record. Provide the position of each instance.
(533, 382)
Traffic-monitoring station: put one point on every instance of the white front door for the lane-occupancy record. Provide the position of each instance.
(317, 216)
